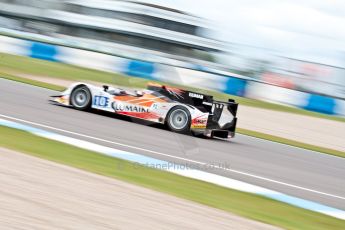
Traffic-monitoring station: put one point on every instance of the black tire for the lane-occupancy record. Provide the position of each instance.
(179, 120)
(81, 98)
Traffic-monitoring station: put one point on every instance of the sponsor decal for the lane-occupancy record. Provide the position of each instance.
(195, 95)
(129, 108)
(154, 106)
(198, 126)
(199, 123)
(101, 101)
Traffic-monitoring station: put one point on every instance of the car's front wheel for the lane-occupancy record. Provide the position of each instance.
(81, 98)
(179, 119)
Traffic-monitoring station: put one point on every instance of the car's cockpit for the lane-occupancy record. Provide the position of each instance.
(122, 92)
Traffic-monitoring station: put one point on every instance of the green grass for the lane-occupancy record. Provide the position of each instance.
(241, 203)
(9, 65)
(290, 142)
(31, 66)
(31, 82)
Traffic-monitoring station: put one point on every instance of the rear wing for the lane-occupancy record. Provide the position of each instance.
(232, 106)
(223, 116)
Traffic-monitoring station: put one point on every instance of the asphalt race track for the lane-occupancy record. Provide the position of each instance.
(302, 173)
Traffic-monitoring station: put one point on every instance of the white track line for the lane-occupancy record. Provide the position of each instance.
(176, 157)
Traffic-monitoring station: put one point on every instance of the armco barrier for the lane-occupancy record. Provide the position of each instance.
(43, 51)
(236, 86)
(140, 69)
(307, 101)
(321, 104)
(161, 72)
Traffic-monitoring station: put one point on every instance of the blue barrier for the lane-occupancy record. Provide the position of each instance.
(235, 86)
(140, 69)
(43, 51)
(321, 104)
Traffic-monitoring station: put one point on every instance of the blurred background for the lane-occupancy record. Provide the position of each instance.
(289, 44)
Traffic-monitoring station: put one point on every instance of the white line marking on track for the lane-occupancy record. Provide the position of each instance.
(175, 157)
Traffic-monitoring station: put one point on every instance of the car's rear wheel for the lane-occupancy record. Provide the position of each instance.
(179, 119)
(81, 98)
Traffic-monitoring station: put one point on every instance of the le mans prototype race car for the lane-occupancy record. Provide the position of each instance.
(181, 111)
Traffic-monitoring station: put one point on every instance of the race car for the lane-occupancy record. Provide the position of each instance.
(180, 110)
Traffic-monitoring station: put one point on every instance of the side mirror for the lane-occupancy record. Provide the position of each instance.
(105, 88)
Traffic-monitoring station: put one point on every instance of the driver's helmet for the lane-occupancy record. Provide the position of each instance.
(139, 93)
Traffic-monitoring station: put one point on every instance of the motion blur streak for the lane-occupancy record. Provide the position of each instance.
(152, 38)
(196, 174)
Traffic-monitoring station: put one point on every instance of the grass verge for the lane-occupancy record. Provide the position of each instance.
(31, 82)
(241, 203)
(36, 67)
(290, 142)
